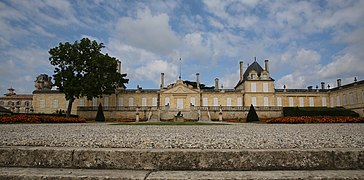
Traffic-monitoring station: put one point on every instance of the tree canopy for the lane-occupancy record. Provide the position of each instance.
(82, 70)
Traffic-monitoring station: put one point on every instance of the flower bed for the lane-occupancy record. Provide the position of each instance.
(319, 119)
(24, 118)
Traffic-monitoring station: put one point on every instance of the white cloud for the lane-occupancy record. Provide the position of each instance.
(152, 33)
(152, 70)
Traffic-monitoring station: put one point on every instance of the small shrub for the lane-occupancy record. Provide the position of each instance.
(100, 114)
(252, 115)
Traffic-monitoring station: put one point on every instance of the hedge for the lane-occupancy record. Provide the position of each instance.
(318, 111)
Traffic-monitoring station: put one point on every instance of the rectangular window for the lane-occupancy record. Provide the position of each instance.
(42, 103)
(265, 87)
(240, 101)
(301, 101)
(331, 101)
(228, 101)
(166, 101)
(324, 101)
(81, 102)
(337, 100)
(55, 103)
(279, 101)
(266, 103)
(253, 87)
(312, 102)
(193, 101)
(131, 101)
(120, 101)
(344, 99)
(94, 101)
(205, 101)
(144, 101)
(291, 103)
(351, 96)
(216, 101)
(106, 100)
(254, 101)
(154, 101)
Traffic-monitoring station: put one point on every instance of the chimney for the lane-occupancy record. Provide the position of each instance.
(266, 65)
(198, 80)
(216, 84)
(309, 88)
(162, 80)
(322, 85)
(338, 82)
(118, 67)
(241, 70)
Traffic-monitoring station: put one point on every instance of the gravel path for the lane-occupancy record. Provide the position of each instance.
(238, 136)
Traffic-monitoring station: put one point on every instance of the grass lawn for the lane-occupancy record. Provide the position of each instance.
(169, 123)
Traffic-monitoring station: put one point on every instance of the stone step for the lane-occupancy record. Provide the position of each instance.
(70, 174)
(183, 159)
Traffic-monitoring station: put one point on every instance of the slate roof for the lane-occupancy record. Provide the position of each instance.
(254, 66)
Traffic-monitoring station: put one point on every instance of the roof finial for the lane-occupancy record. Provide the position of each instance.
(255, 58)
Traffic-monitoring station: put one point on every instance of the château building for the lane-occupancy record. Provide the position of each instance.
(196, 101)
(19, 103)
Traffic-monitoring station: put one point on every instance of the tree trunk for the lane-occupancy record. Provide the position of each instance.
(69, 108)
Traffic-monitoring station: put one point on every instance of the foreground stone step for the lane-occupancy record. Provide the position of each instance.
(49, 173)
(183, 159)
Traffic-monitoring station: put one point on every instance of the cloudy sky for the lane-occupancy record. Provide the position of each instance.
(306, 41)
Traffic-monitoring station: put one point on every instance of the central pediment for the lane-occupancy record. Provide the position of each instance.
(180, 88)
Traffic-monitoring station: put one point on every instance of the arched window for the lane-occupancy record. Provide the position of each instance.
(1, 103)
(27, 104)
(10, 103)
(18, 103)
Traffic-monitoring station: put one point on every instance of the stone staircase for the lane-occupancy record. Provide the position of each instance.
(17, 162)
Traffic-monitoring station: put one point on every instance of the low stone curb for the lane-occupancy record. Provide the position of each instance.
(97, 174)
(183, 159)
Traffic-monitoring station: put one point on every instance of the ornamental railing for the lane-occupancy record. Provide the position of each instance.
(192, 108)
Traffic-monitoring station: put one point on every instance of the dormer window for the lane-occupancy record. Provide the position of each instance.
(253, 76)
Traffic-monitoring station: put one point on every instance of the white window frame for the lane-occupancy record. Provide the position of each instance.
(351, 98)
(94, 101)
(265, 87)
(332, 102)
(291, 101)
(180, 103)
(67, 102)
(193, 101)
(106, 101)
(131, 101)
(253, 87)
(323, 99)
(228, 101)
(301, 102)
(154, 101)
(144, 101)
(120, 101)
(312, 101)
(81, 101)
(205, 101)
(337, 100)
(266, 101)
(279, 101)
(239, 101)
(254, 101)
(216, 101)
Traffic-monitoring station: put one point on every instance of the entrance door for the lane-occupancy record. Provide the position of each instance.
(179, 103)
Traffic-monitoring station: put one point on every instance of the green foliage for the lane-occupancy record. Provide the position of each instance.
(252, 115)
(82, 70)
(317, 111)
(100, 114)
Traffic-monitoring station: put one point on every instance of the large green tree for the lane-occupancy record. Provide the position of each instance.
(82, 70)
